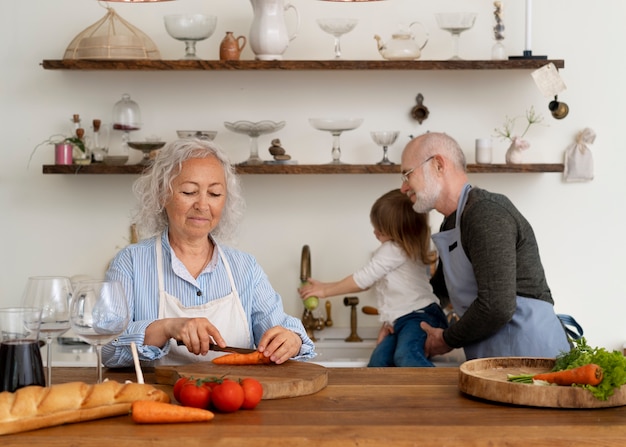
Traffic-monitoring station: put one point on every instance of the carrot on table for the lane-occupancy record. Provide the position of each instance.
(253, 358)
(590, 374)
(150, 412)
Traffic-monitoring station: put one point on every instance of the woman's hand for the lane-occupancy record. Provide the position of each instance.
(280, 344)
(195, 333)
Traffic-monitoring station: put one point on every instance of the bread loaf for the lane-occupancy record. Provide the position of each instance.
(34, 407)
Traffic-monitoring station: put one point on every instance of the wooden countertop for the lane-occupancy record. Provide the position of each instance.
(359, 407)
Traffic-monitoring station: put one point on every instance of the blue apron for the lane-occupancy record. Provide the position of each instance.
(534, 330)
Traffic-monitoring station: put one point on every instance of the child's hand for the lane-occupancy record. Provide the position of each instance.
(385, 330)
(312, 288)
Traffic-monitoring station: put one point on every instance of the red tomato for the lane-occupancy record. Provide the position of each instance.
(194, 394)
(227, 396)
(178, 386)
(252, 391)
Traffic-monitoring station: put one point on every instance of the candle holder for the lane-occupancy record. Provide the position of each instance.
(528, 54)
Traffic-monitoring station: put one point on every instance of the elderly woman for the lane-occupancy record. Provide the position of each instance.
(184, 288)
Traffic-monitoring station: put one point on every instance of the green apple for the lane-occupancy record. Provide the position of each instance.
(311, 303)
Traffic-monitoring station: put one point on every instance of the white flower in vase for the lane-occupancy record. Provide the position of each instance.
(518, 144)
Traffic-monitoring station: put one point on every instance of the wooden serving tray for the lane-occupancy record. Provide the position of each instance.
(487, 378)
(289, 379)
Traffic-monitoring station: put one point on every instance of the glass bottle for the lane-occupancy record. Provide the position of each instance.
(82, 155)
(498, 51)
(99, 143)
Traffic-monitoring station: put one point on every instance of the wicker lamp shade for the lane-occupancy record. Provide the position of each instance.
(112, 37)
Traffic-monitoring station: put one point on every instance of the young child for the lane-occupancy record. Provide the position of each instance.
(400, 270)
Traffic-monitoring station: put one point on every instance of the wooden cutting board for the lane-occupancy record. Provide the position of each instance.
(487, 378)
(289, 379)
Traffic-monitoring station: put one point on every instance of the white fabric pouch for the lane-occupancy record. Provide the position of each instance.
(578, 158)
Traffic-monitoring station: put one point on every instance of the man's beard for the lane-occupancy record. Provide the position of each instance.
(426, 198)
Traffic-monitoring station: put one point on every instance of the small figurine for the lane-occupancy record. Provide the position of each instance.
(278, 152)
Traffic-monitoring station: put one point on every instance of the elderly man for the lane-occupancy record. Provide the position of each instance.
(489, 268)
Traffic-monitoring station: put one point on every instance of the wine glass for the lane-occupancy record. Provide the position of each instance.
(337, 27)
(190, 28)
(52, 295)
(385, 138)
(99, 313)
(455, 23)
(254, 130)
(336, 127)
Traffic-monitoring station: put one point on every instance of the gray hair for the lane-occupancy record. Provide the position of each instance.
(154, 188)
(432, 143)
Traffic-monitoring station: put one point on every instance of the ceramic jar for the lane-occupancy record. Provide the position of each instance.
(231, 47)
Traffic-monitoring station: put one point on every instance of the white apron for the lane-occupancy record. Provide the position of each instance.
(534, 330)
(225, 313)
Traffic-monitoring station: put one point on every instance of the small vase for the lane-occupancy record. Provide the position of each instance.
(514, 153)
(231, 47)
(498, 51)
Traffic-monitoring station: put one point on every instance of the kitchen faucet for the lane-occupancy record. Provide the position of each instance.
(309, 321)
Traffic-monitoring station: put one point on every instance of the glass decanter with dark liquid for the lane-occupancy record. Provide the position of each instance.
(20, 348)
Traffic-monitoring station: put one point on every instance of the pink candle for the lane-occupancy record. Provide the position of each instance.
(63, 153)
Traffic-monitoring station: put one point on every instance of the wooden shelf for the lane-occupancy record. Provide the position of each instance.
(161, 65)
(98, 168)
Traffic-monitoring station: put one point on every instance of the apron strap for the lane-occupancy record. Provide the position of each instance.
(572, 328)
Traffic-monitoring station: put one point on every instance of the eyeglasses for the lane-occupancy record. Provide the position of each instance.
(405, 175)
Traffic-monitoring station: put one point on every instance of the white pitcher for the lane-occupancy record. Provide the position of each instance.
(268, 36)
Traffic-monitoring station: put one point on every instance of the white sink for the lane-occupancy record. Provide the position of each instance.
(334, 352)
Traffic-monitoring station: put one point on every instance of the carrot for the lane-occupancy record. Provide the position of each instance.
(590, 374)
(253, 358)
(150, 412)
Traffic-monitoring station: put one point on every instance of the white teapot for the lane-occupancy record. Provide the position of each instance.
(402, 45)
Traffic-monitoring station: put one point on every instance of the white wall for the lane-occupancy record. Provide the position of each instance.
(67, 225)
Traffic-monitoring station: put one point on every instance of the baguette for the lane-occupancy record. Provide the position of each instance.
(35, 407)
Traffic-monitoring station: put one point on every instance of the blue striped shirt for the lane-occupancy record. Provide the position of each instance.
(135, 267)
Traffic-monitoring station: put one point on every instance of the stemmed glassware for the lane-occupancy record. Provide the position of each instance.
(52, 295)
(126, 118)
(385, 138)
(336, 127)
(455, 23)
(190, 28)
(337, 27)
(146, 147)
(254, 130)
(99, 313)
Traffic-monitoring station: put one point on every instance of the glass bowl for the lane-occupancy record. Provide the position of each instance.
(254, 129)
(335, 124)
(190, 26)
(200, 134)
(146, 145)
(337, 26)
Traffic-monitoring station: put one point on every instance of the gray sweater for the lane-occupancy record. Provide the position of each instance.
(501, 245)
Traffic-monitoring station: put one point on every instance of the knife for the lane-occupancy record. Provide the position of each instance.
(231, 349)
